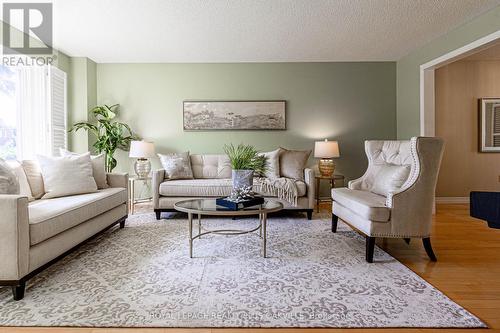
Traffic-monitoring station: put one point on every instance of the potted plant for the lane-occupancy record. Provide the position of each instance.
(245, 162)
(110, 134)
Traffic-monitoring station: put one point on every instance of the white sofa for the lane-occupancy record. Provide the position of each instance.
(35, 234)
(209, 182)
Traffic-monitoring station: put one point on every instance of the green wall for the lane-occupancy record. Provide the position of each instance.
(408, 68)
(348, 102)
(82, 96)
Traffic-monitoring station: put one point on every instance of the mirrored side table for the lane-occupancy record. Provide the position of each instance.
(333, 180)
(144, 191)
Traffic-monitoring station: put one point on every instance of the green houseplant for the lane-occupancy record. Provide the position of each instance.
(245, 161)
(109, 133)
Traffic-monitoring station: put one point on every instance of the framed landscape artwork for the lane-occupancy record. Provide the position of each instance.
(489, 125)
(234, 115)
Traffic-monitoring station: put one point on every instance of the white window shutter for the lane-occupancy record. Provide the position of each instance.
(57, 109)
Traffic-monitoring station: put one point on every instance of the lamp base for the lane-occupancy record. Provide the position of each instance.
(326, 167)
(142, 167)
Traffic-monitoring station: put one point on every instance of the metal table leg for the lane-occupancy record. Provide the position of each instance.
(264, 231)
(190, 218)
(199, 224)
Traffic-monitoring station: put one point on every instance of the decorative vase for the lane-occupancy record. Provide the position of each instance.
(242, 178)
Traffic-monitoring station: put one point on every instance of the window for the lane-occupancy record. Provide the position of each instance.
(495, 123)
(32, 111)
(8, 121)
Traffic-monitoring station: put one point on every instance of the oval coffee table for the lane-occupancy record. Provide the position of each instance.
(208, 207)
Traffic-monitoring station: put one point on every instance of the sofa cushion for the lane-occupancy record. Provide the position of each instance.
(210, 188)
(67, 175)
(34, 176)
(176, 165)
(98, 167)
(208, 166)
(49, 217)
(366, 204)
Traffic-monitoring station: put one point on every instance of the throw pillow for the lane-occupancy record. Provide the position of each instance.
(34, 176)
(67, 175)
(24, 186)
(176, 165)
(293, 162)
(98, 167)
(273, 164)
(8, 180)
(389, 178)
(224, 167)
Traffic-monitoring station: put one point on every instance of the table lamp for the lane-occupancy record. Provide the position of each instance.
(142, 150)
(326, 150)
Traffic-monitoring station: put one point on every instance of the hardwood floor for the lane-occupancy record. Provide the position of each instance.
(467, 270)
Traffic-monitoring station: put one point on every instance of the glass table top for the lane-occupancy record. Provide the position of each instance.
(209, 206)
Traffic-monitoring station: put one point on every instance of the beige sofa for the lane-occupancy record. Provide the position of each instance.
(210, 182)
(35, 234)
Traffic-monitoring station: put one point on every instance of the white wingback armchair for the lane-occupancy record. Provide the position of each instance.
(395, 196)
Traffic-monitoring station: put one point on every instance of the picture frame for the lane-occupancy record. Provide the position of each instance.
(234, 115)
(489, 125)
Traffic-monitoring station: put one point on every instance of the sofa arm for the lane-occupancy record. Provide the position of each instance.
(158, 178)
(117, 179)
(310, 181)
(14, 237)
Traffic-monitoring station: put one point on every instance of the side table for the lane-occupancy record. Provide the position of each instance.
(146, 186)
(333, 183)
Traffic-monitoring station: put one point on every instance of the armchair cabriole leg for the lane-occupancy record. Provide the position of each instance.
(158, 214)
(335, 220)
(18, 290)
(370, 248)
(428, 248)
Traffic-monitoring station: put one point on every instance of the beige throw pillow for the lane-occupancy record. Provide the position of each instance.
(176, 165)
(272, 164)
(224, 170)
(293, 162)
(389, 178)
(67, 175)
(98, 167)
(8, 180)
(24, 186)
(34, 176)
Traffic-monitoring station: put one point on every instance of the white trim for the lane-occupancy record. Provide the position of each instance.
(427, 98)
(452, 200)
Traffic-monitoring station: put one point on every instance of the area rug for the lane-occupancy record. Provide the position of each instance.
(142, 276)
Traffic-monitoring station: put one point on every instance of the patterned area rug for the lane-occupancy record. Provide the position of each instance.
(142, 276)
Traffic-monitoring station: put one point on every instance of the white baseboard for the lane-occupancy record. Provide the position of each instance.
(452, 200)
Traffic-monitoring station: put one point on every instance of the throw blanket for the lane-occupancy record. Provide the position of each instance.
(283, 188)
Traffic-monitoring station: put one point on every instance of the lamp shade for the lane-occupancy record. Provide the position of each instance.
(326, 149)
(141, 149)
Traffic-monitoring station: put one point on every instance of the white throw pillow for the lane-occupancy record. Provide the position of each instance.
(24, 186)
(8, 180)
(67, 175)
(98, 167)
(389, 178)
(176, 165)
(273, 164)
(34, 176)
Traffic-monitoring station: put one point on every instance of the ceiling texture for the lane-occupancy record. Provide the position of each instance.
(154, 31)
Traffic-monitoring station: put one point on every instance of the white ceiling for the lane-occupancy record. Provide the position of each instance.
(254, 30)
